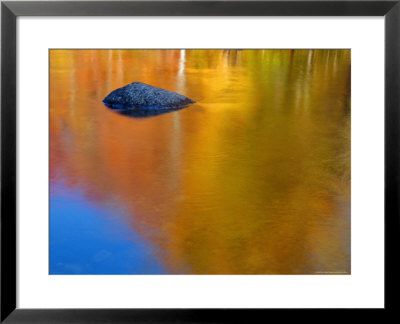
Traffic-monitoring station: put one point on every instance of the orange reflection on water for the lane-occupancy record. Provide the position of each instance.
(252, 179)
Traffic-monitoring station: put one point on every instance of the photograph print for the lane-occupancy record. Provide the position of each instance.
(200, 161)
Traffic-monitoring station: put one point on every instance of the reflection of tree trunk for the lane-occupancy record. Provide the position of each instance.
(109, 69)
(291, 60)
(180, 78)
(231, 57)
(291, 81)
(176, 143)
(234, 58)
(120, 69)
(347, 103)
(309, 60)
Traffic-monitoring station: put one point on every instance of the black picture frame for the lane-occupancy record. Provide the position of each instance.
(10, 10)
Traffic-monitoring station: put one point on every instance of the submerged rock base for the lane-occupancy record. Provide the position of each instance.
(143, 96)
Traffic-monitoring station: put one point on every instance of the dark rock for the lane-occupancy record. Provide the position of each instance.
(145, 97)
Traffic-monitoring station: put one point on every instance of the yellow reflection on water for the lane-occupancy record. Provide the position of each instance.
(252, 179)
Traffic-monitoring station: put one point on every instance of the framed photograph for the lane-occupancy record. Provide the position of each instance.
(198, 161)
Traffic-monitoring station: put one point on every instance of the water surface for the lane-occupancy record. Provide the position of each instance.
(254, 178)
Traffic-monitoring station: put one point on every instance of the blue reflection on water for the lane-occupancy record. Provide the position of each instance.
(86, 238)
